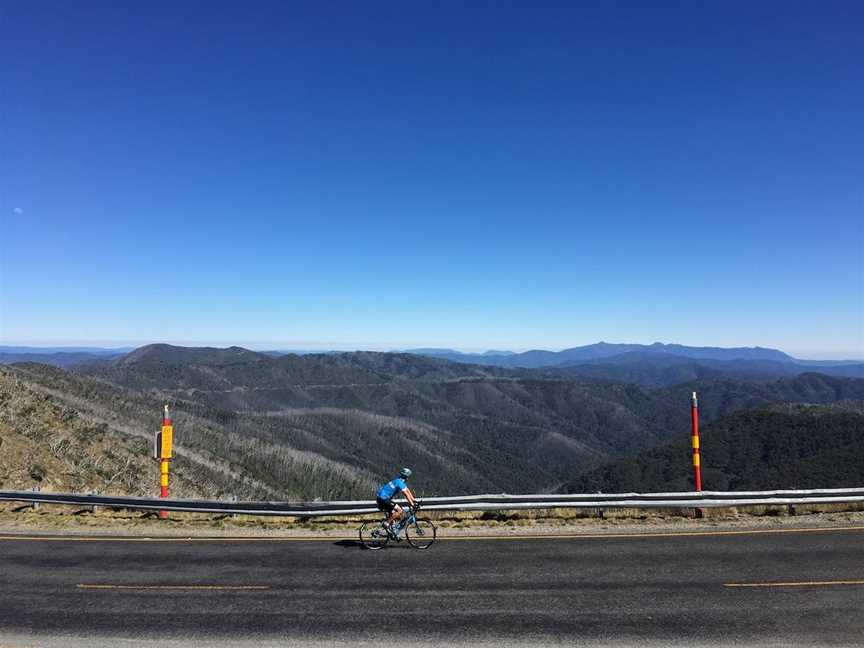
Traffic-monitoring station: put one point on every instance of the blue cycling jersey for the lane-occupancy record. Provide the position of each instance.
(391, 488)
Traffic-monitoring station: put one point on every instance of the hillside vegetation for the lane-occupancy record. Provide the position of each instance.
(783, 446)
(217, 454)
(333, 425)
(48, 444)
(465, 427)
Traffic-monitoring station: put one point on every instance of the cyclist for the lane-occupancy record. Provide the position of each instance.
(384, 498)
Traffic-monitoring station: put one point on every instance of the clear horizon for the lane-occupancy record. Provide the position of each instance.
(314, 347)
(500, 176)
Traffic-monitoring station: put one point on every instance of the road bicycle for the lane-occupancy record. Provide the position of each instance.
(419, 532)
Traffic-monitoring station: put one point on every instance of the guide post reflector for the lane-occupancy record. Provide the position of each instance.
(164, 445)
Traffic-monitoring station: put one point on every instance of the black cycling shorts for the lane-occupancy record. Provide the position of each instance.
(385, 505)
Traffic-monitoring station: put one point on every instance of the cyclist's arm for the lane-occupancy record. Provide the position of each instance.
(410, 496)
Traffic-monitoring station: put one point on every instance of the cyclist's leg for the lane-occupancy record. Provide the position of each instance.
(396, 515)
(388, 506)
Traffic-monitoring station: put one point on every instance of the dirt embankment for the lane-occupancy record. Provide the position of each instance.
(49, 445)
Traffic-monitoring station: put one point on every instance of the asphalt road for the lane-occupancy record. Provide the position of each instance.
(789, 588)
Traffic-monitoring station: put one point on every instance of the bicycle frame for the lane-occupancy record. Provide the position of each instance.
(407, 519)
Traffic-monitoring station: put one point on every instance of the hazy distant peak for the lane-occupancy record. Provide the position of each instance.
(432, 351)
(38, 350)
(537, 358)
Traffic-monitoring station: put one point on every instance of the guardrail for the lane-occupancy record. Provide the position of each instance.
(491, 502)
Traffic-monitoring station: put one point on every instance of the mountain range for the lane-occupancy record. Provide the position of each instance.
(654, 364)
(609, 352)
(57, 356)
(333, 425)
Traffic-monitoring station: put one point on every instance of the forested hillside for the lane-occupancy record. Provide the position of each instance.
(782, 446)
(662, 369)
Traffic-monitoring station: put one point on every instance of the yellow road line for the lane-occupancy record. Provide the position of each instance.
(570, 536)
(169, 539)
(797, 584)
(173, 587)
(672, 534)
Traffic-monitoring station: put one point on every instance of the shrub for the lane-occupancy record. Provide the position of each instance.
(38, 472)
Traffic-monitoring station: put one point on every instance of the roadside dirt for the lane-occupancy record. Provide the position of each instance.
(64, 520)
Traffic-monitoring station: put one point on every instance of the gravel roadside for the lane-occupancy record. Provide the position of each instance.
(55, 520)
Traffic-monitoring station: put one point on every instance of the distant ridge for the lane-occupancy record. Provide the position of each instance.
(658, 363)
(432, 352)
(170, 354)
(65, 349)
(438, 353)
(537, 358)
(645, 364)
(57, 356)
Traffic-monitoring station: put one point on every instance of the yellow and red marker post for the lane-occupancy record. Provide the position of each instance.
(697, 452)
(164, 446)
(697, 457)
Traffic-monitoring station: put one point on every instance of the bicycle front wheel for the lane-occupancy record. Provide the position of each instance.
(420, 533)
(373, 535)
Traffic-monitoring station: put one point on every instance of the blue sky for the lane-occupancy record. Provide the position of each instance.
(471, 175)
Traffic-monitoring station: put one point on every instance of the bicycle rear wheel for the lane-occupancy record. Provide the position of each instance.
(373, 535)
(421, 533)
